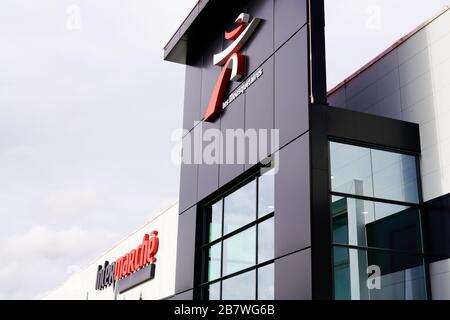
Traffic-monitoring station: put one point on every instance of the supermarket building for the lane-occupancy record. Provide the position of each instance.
(352, 198)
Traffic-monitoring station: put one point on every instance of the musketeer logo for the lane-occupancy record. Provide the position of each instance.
(232, 61)
(132, 269)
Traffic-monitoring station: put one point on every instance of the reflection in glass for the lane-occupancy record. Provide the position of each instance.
(351, 170)
(394, 176)
(373, 173)
(266, 240)
(239, 251)
(240, 207)
(377, 225)
(215, 221)
(266, 282)
(373, 275)
(211, 292)
(241, 287)
(266, 193)
(214, 254)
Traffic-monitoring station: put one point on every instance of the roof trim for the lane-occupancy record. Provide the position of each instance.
(397, 44)
(176, 48)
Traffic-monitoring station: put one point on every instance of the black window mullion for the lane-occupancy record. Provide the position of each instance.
(256, 237)
(384, 250)
(366, 198)
(206, 246)
(237, 273)
(221, 248)
(237, 231)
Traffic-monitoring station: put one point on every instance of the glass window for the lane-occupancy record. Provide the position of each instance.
(394, 176)
(373, 173)
(214, 213)
(266, 193)
(374, 205)
(266, 282)
(239, 251)
(376, 225)
(240, 207)
(241, 287)
(266, 245)
(238, 240)
(214, 261)
(374, 275)
(351, 170)
(211, 292)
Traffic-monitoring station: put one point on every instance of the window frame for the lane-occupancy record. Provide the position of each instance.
(419, 206)
(203, 282)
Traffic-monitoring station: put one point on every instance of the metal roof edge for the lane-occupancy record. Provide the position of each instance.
(394, 46)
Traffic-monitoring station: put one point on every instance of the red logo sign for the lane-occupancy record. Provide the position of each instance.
(232, 62)
(137, 259)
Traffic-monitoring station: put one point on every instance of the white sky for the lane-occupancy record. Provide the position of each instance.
(359, 30)
(86, 116)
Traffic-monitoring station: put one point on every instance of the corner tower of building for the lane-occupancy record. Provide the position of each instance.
(276, 216)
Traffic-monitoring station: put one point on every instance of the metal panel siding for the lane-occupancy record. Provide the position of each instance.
(188, 177)
(188, 295)
(192, 96)
(208, 174)
(259, 105)
(279, 99)
(210, 72)
(260, 46)
(186, 250)
(232, 118)
(293, 277)
(292, 198)
(437, 227)
(291, 88)
(289, 17)
(412, 84)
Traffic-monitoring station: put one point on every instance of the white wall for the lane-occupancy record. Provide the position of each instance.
(82, 285)
(412, 83)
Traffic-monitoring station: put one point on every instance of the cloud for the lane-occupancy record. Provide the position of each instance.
(42, 257)
(70, 203)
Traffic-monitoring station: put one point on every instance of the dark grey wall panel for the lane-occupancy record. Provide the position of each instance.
(259, 111)
(376, 90)
(291, 88)
(292, 198)
(290, 16)
(184, 279)
(437, 217)
(293, 276)
(188, 176)
(372, 129)
(390, 107)
(338, 98)
(260, 45)
(232, 118)
(192, 94)
(188, 295)
(210, 72)
(208, 174)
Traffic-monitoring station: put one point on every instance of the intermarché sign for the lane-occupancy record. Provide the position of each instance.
(133, 268)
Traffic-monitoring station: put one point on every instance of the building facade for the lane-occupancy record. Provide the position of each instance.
(411, 82)
(347, 199)
(288, 191)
